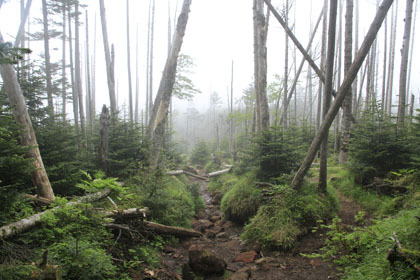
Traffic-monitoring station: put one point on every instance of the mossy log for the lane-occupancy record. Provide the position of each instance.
(15, 228)
(384, 188)
(398, 253)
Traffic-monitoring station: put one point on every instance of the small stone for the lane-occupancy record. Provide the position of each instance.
(214, 218)
(222, 235)
(227, 224)
(246, 257)
(264, 260)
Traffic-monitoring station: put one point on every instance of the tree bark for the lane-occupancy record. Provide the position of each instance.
(404, 64)
(27, 134)
(78, 77)
(130, 89)
(47, 59)
(390, 78)
(286, 66)
(63, 64)
(345, 86)
(323, 56)
(104, 138)
(327, 92)
(347, 103)
(260, 58)
(136, 106)
(108, 61)
(158, 118)
(73, 82)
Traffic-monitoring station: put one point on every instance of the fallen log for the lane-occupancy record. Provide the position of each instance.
(173, 231)
(196, 176)
(12, 229)
(129, 213)
(384, 188)
(220, 172)
(39, 199)
(264, 184)
(175, 172)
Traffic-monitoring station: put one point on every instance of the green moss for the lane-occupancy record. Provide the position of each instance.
(222, 183)
(241, 202)
(289, 215)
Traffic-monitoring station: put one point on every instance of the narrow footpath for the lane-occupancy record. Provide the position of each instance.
(221, 240)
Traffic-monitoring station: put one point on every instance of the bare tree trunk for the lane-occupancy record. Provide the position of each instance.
(345, 86)
(323, 57)
(78, 75)
(152, 35)
(347, 103)
(411, 109)
(47, 59)
(410, 60)
(90, 113)
(21, 31)
(63, 65)
(390, 78)
(231, 112)
(130, 89)
(337, 74)
(109, 62)
(260, 53)
(93, 70)
(404, 64)
(27, 134)
(327, 92)
(356, 48)
(286, 65)
(104, 138)
(383, 102)
(136, 107)
(73, 82)
(161, 105)
(147, 109)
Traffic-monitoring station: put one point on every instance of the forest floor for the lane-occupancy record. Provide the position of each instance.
(243, 262)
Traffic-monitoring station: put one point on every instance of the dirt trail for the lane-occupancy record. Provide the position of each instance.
(222, 238)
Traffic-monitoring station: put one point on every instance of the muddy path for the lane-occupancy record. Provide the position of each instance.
(222, 238)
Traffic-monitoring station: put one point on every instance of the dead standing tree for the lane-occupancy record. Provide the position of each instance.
(345, 86)
(27, 133)
(159, 114)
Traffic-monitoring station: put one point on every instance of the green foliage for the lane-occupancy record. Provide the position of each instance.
(15, 172)
(82, 259)
(241, 202)
(288, 216)
(370, 201)
(201, 154)
(194, 190)
(222, 183)
(377, 147)
(128, 150)
(273, 153)
(17, 272)
(11, 55)
(184, 87)
(99, 183)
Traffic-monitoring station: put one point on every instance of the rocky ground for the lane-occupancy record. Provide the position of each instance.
(220, 254)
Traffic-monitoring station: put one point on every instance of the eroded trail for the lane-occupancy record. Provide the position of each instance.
(221, 238)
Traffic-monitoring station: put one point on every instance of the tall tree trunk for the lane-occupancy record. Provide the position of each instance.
(73, 80)
(21, 31)
(231, 112)
(104, 138)
(345, 86)
(356, 48)
(327, 92)
(161, 105)
(152, 35)
(47, 59)
(410, 60)
(90, 113)
(286, 65)
(337, 74)
(404, 64)
(347, 103)
(63, 64)
(130, 89)
(78, 75)
(136, 107)
(390, 78)
(260, 58)
(323, 57)
(147, 109)
(27, 134)
(383, 100)
(109, 62)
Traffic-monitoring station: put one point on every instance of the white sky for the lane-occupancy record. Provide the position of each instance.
(218, 32)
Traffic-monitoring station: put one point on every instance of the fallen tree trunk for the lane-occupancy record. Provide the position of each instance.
(220, 172)
(175, 172)
(174, 231)
(132, 212)
(15, 228)
(196, 176)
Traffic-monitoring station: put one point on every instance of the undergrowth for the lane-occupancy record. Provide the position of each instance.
(289, 215)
